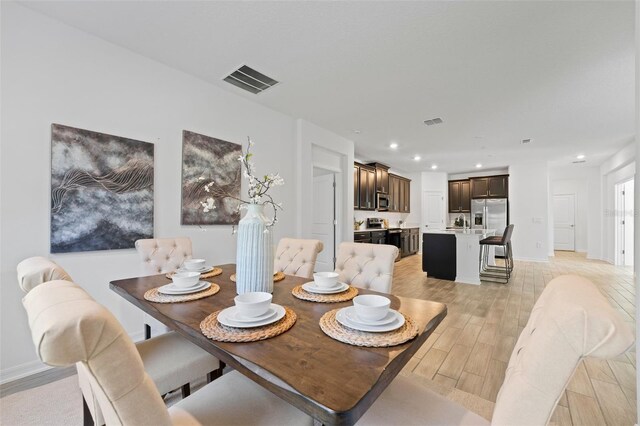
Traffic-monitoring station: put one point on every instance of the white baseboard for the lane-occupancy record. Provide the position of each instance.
(23, 370)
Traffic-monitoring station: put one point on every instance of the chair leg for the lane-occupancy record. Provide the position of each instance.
(87, 419)
(186, 390)
(147, 332)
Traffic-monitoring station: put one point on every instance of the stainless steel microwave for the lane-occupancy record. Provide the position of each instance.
(383, 202)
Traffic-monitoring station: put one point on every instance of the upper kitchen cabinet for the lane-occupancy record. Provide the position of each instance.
(356, 186)
(490, 187)
(366, 187)
(382, 177)
(459, 196)
(399, 194)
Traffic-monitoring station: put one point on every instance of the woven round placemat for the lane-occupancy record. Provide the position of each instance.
(344, 296)
(213, 273)
(332, 328)
(154, 295)
(214, 330)
(278, 276)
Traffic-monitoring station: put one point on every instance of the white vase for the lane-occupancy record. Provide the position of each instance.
(254, 258)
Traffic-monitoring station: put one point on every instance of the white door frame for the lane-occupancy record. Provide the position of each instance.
(621, 221)
(337, 205)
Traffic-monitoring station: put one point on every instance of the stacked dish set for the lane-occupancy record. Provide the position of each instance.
(370, 313)
(186, 280)
(252, 309)
(325, 283)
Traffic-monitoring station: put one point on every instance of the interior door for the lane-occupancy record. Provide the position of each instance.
(564, 215)
(323, 227)
(628, 222)
(432, 209)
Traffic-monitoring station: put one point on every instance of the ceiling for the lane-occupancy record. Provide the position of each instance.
(560, 73)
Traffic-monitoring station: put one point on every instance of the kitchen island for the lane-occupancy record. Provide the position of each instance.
(454, 254)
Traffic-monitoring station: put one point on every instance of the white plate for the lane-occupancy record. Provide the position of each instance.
(312, 288)
(202, 270)
(351, 314)
(226, 318)
(341, 317)
(235, 315)
(172, 289)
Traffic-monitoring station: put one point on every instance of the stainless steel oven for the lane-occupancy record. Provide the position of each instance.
(382, 203)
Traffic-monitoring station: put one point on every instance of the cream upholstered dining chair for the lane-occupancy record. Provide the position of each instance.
(366, 265)
(171, 361)
(297, 257)
(570, 320)
(68, 326)
(160, 256)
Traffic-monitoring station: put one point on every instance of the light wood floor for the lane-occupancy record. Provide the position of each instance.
(470, 349)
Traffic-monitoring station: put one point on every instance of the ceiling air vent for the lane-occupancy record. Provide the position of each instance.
(526, 141)
(579, 161)
(433, 121)
(250, 80)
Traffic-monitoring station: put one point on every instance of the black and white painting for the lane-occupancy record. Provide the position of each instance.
(210, 171)
(101, 190)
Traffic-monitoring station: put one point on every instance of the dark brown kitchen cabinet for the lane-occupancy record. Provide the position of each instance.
(490, 187)
(399, 194)
(367, 192)
(382, 177)
(394, 193)
(356, 186)
(459, 196)
(406, 196)
(409, 242)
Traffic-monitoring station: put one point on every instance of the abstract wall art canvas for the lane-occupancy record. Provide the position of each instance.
(101, 190)
(210, 163)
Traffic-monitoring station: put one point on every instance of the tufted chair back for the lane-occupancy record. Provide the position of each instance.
(570, 320)
(162, 255)
(34, 271)
(68, 326)
(366, 265)
(297, 257)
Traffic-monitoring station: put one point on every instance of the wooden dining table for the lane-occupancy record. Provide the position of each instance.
(333, 382)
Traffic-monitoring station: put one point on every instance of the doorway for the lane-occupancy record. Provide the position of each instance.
(433, 209)
(564, 222)
(624, 219)
(324, 221)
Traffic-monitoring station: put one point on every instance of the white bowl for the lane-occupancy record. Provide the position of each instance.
(253, 304)
(185, 279)
(194, 264)
(371, 307)
(325, 279)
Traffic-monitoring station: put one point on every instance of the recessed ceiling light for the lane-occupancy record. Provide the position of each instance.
(580, 157)
(478, 165)
(434, 166)
(356, 131)
(393, 145)
(417, 158)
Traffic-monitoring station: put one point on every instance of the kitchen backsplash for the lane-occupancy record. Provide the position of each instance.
(392, 218)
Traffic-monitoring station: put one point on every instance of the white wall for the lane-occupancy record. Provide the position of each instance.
(577, 180)
(52, 73)
(318, 147)
(528, 208)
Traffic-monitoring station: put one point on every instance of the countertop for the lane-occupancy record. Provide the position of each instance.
(462, 232)
(384, 229)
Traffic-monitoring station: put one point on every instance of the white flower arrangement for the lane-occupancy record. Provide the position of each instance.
(257, 191)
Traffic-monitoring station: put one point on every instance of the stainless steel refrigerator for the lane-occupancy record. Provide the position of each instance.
(490, 213)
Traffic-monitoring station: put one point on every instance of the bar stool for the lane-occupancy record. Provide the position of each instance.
(497, 273)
